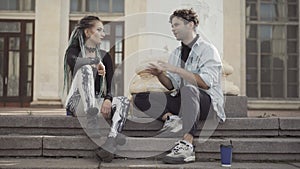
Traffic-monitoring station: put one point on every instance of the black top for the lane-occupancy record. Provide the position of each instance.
(186, 49)
(185, 52)
(73, 53)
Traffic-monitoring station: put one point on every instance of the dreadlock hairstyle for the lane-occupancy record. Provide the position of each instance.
(187, 15)
(77, 39)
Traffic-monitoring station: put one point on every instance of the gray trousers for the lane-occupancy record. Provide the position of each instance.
(191, 104)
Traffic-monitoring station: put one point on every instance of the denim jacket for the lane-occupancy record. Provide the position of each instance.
(205, 61)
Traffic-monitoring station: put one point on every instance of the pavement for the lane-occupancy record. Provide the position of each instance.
(48, 163)
(85, 163)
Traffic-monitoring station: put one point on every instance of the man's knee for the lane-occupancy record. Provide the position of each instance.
(189, 90)
(141, 101)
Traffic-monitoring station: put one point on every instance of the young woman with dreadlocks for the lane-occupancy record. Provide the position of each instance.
(90, 72)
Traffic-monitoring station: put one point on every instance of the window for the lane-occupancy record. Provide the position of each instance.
(99, 6)
(16, 57)
(17, 5)
(272, 49)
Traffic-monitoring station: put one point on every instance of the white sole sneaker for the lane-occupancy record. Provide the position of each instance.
(178, 160)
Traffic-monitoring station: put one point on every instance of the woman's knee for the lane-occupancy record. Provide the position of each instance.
(87, 69)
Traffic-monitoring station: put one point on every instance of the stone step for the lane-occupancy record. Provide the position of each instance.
(82, 146)
(234, 106)
(64, 125)
(155, 164)
(85, 163)
(49, 163)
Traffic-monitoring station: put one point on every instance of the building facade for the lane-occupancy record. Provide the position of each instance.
(259, 39)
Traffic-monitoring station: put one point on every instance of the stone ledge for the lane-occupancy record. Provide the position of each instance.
(21, 153)
(20, 142)
(68, 142)
(49, 163)
(46, 104)
(89, 163)
(62, 125)
(82, 146)
(157, 164)
(20, 145)
(236, 106)
(243, 127)
(289, 123)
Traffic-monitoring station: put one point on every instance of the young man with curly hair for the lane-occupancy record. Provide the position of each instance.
(193, 74)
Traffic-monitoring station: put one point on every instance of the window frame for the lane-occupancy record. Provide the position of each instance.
(24, 96)
(21, 7)
(258, 23)
(84, 5)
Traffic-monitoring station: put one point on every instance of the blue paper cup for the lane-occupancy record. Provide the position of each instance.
(226, 155)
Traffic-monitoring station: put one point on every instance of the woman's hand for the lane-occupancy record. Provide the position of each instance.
(106, 108)
(101, 69)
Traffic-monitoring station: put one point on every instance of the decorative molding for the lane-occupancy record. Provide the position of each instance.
(110, 17)
(272, 105)
(17, 15)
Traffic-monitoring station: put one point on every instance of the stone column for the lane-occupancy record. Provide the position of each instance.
(228, 86)
(234, 47)
(51, 35)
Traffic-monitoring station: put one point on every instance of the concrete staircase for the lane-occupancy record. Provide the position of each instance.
(54, 138)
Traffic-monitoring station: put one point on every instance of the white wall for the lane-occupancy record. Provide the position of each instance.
(151, 28)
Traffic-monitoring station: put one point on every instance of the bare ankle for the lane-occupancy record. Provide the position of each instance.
(164, 117)
(188, 137)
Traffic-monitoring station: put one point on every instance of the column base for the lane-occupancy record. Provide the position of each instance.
(46, 103)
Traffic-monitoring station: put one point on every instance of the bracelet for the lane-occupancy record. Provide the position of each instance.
(108, 98)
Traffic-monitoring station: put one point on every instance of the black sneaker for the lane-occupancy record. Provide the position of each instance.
(107, 150)
(70, 113)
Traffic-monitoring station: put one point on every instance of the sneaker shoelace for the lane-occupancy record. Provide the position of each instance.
(180, 145)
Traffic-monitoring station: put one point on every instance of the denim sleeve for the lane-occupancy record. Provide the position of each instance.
(211, 67)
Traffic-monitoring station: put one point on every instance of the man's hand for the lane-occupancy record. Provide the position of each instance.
(106, 108)
(156, 68)
(167, 67)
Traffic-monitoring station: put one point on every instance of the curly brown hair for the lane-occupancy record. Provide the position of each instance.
(188, 15)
